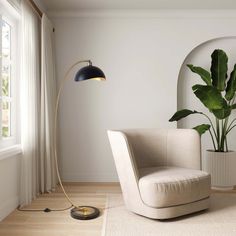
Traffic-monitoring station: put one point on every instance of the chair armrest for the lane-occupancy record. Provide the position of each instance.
(123, 156)
(184, 148)
(125, 166)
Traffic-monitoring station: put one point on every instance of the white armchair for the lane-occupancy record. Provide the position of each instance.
(159, 171)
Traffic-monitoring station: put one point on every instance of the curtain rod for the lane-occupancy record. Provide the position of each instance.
(35, 7)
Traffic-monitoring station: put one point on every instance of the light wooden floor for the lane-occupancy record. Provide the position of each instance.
(60, 223)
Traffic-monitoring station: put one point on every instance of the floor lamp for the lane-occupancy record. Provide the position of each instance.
(85, 73)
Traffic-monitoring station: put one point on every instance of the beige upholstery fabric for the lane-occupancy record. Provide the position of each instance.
(136, 151)
(171, 186)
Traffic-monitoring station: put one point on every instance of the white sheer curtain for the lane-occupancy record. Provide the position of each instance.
(38, 94)
(30, 106)
(15, 4)
(48, 99)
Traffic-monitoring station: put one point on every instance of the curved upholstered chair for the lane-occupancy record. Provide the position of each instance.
(159, 171)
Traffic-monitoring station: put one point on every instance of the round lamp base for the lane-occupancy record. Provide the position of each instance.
(84, 212)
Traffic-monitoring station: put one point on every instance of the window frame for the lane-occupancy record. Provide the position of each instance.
(9, 15)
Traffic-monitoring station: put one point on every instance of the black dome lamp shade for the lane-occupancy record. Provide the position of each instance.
(90, 72)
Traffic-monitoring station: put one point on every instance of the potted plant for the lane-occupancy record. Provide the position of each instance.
(218, 95)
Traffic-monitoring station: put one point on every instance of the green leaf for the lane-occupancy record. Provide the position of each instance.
(222, 113)
(209, 96)
(181, 114)
(233, 106)
(197, 86)
(204, 74)
(219, 69)
(201, 129)
(231, 85)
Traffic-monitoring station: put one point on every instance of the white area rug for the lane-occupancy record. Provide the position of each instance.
(219, 220)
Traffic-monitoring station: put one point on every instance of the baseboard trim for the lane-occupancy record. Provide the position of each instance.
(9, 206)
(92, 184)
(90, 177)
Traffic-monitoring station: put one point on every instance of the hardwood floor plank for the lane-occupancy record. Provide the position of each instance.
(57, 223)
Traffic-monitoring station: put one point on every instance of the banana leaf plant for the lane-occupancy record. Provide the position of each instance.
(218, 95)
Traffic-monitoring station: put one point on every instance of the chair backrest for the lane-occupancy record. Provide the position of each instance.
(148, 145)
(163, 147)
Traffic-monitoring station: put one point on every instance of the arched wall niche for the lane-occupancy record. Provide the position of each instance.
(201, 56)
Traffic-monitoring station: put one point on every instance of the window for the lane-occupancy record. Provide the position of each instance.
(6, 78)
(8, 68)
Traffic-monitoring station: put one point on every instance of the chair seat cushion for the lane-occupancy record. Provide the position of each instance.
(170, 186)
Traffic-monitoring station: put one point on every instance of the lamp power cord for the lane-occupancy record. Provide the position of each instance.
(46, 210)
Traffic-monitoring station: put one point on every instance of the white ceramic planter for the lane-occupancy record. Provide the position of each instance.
(222, 167)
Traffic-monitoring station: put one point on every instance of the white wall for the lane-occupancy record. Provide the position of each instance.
(141, 53)
(9, 185)
(41, 5)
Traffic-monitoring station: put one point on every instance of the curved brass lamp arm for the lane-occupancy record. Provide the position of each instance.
(55, 125)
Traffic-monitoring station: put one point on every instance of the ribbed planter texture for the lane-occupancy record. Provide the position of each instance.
(222, 167)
